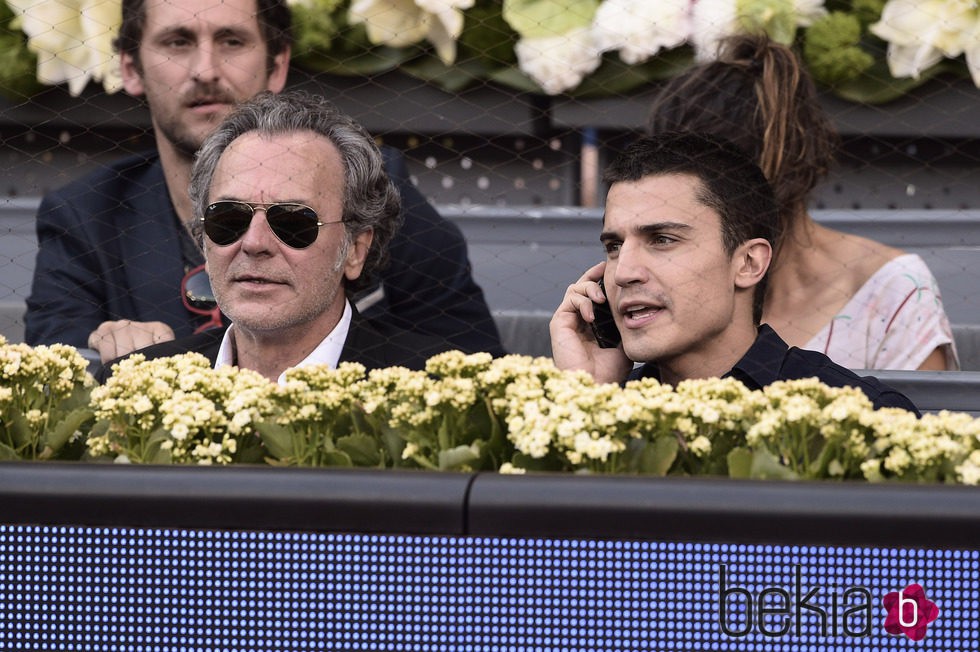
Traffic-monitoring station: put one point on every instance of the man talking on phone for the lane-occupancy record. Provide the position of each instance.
(688, 231)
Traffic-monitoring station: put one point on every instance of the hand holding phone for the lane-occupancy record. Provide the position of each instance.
(604, 326)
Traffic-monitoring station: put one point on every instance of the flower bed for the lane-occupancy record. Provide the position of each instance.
(867, 51)
(466, 412)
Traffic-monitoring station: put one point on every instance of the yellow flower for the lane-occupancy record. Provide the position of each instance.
(969, 471)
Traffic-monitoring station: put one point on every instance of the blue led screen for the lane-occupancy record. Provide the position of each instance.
(109, 589)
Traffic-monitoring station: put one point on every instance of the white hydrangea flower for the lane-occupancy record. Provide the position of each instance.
(713, 20)
(399, 23)
(921, 32)
(640, 28)
(559, 63)
(73, 40)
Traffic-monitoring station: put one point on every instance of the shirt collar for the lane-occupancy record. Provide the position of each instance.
(326, 352)
(762, 363)
(760, 366)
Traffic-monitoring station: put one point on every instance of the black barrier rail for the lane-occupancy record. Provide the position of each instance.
(490, 504)
(933, 391)
(108, 558)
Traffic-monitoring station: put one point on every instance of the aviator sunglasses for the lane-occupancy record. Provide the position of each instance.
(198, 297)
(296, 225)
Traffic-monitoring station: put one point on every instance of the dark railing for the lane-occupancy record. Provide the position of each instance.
(122, 558)
(489, 504)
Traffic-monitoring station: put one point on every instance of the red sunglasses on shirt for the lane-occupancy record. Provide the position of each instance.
(198, 297)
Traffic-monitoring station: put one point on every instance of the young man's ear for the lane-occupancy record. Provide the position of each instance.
(132, 77)
(279, 72)
(752, 260)
(357, 254)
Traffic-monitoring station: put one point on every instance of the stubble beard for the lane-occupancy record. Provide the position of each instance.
(280, 322)
(184, 143)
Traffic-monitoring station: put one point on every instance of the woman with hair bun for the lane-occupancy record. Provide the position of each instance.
(864, 304)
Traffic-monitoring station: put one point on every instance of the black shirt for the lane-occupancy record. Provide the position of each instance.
(770, 359)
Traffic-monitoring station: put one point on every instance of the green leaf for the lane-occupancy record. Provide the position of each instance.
(766, 466)
(370, 62)
(154, 453)
(877, 86)
(250, 450)
(821, 462)
(80, 397)
(452, 79)
(486, 37)
(394, 444)
(350, 52)
(277, 439)
(56, 437)
(457, 458)
(513, 78)
(548, 18)
(361, 449)
(656, 457)
(336, 458)
(659, 456)
(8, 454)
(777, 18)
(18, 65)
(546, 463)
(20, 431)
(740, 463)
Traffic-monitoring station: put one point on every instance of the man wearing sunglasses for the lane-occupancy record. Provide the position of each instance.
(112, 248)
(296, 210)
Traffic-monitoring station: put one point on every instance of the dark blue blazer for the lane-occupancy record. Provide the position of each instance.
(110, 246)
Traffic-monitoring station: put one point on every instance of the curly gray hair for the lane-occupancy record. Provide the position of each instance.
(370, 199)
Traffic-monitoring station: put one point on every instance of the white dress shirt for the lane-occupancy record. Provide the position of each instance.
(326, 352)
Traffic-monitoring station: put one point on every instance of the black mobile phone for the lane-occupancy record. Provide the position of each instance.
(604, 327)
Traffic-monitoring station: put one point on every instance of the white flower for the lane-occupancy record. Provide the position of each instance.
(921, 32)
(969, 471)
(713, 20)
(559, 63)
(701, 446)
(411, 449)
(641, 28)
(400, 23)
(73, 40)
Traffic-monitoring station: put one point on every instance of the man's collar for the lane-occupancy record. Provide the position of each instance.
(762, 363)
(328, 351)
(760, 366)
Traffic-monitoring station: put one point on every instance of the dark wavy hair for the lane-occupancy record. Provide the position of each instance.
(757, 95)
(370, 199)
